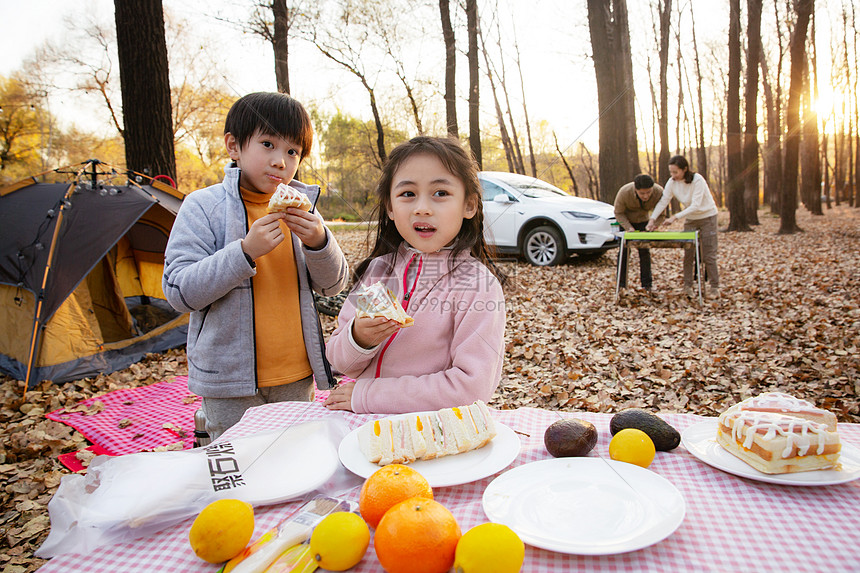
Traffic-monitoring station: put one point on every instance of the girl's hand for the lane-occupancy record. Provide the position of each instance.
(307, 227)
(369, 332)
(263, 236)
(340, 397)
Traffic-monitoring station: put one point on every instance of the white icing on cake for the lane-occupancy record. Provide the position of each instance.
(798, 432)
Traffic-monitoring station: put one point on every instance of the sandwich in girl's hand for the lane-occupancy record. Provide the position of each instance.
(377, 300)
(285, 197)
(428, 435)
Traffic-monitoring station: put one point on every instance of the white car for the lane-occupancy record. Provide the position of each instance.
(530, 217)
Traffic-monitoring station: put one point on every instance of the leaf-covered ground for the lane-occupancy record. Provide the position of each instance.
(788, 319)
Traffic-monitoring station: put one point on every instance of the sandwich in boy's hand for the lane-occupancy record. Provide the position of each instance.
(285, 197)
(377, 300)
(425, 436)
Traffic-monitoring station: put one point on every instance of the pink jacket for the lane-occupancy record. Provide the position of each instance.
(453, 353)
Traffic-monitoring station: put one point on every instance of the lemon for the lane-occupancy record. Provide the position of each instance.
(632, 446)
(340, 541)
(489, 548)
(222, 530)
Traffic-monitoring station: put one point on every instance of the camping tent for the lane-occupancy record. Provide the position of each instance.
(80, 274)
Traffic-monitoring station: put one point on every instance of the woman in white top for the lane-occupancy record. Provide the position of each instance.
(699, 214)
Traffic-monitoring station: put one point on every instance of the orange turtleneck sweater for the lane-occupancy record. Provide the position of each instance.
(280, 346)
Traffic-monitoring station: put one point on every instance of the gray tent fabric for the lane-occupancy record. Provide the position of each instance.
(91, 224)
(52, 235)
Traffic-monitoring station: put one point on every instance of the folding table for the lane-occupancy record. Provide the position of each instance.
(656, 239)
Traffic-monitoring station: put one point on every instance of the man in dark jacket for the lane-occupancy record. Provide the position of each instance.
(633, 205)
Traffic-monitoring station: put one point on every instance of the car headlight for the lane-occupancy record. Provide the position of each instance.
(579, 215)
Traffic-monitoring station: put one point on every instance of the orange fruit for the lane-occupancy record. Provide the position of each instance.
(633, 446)
(222, 530)
(418, 535)
(387, 487)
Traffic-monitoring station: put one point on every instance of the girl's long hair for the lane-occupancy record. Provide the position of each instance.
(680, 162)
(461, 165)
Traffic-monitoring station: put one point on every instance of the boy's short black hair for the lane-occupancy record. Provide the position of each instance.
(643, 181)
(271, 113)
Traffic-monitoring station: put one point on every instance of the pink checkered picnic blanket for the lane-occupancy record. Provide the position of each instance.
(731, 523)
(134, 419)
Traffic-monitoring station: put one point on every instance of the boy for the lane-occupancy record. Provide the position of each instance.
(246, 275)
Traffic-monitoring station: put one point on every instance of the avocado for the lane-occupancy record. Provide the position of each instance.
(664, 436)
(570, 437)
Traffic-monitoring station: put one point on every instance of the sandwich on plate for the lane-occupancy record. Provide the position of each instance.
(427, 435)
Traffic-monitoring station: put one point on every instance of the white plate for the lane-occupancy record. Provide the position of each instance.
(701, 441)
(447, 470)
(278, 465)
(585, 506)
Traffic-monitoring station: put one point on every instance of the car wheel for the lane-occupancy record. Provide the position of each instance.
(543, 246)
(329, 305)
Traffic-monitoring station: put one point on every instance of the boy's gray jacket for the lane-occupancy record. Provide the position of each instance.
(206, 273)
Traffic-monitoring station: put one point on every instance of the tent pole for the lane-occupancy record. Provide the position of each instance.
(40, 297)
(35, 339)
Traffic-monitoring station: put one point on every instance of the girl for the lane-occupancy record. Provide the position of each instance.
(430, 251)
(700, 214)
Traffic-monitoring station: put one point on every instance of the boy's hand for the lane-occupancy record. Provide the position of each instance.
(340, 397)
(307, 227)
(263, 236)
(369, 332)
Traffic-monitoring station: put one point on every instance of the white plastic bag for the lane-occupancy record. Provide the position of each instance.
(127, 497)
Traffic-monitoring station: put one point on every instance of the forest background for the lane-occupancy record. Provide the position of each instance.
(525, 85)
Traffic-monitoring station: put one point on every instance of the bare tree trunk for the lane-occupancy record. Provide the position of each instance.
(566, 165)
(410, 95)
(734, 137)
(856, 179)
(810, 167)
(146, 108)
(701, 150)
(509, 142)
(348, 63)
(849, 172)
(675, 205)
(773, 153)
(450, 70)
(665, 10)
(839, 158)
(850, 192)
(532, 159)
(515, 140)
(797, 47)
(593, 181)
(721, 177)
(613, 67)
(503, 130)
(826, 161)
(474, 81)
(750, 150)
(377, 120)
(651, 153)
(280, 43)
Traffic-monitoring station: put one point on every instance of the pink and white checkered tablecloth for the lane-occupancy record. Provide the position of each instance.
(731, 524)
